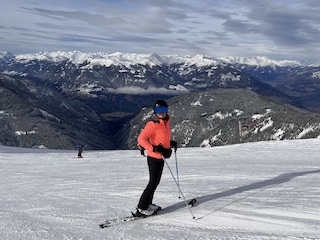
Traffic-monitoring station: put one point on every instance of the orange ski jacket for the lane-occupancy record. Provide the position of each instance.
(153, 134)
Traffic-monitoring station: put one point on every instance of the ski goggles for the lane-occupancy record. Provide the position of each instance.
(161, 109)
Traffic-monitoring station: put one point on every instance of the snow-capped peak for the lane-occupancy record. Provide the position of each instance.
(5, 55)
(198, 60)
(259, 61)
(151, 59)
(117, 58)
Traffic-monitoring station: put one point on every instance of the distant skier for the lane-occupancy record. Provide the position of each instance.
(155, 138)
(80, 149)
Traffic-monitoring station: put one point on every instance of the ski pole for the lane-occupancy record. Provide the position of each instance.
(175, 180)
(175, 155)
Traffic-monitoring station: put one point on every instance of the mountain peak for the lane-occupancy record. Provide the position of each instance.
(117, 58)
(6, 55)
(259, 61)
(151, 59)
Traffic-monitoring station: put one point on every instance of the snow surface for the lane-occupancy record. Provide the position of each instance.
(264, 190)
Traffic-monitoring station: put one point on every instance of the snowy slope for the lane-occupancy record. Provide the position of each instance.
(263, 190)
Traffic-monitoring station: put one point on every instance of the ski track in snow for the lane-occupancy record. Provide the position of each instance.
(264, 190)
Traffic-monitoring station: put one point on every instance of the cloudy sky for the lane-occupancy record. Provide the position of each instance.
(279, 29)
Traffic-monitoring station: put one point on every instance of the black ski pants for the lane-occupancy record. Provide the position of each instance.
(155, 173)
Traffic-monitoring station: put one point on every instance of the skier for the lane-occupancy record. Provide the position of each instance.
(155, 138)
(80, 149)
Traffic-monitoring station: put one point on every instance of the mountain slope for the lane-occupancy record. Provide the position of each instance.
(300, 81)
(228, 116)
(34, 115)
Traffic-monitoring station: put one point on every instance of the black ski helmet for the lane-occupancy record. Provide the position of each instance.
(158, 104)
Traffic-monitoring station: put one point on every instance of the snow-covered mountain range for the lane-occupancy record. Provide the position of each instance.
(130, 59)
(96, 74)
(116, 59)
(95, 95)
(260, 61)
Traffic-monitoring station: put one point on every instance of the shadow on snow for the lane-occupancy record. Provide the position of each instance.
(253, 186)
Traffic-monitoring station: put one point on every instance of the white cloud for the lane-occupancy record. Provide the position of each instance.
(138, 90)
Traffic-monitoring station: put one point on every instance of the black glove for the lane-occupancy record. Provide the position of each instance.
(159, 148)
(166, 152)
(141, 150)
(174, 145)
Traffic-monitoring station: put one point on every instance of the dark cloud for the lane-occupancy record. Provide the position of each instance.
(286, 29)
(285, 26)
(239, 26)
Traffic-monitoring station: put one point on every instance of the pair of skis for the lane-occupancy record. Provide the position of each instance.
(121, 220)
(133, 217)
